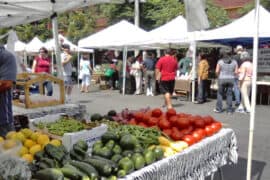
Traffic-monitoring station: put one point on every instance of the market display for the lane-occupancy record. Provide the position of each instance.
(134, 139)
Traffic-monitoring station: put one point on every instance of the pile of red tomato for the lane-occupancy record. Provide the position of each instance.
(178, 126)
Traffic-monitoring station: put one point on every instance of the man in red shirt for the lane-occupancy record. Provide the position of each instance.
(166, 68)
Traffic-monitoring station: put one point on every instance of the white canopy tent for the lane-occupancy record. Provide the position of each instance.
(34, 45)
(116, 36)
(240, 28)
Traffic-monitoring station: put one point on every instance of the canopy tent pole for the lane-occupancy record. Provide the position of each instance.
(57, 47)
(193, 47)
(94, 60)
(124, 69)
(254, 88)
(78, 68)
(52, 62)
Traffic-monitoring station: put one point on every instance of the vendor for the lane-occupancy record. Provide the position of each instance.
(8, 72)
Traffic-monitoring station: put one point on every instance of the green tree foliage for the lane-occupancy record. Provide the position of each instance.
(251, 5)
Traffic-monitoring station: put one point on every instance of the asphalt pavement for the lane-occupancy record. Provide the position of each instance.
(103, 101)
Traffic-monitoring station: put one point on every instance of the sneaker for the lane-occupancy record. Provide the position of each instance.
(240, 110)
(217, 111)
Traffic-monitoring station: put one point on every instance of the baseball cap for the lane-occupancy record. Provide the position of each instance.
(238, 48)
(65, 46)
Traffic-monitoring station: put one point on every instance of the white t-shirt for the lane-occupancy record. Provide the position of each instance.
(67, 68)
(84, 67)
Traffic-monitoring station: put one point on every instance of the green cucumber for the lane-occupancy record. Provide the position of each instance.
(104, 168)
(86, 168)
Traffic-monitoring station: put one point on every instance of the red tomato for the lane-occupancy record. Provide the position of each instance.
(138, 116)
(209, 131)
(132, 121)
(189, 139)
(152, 121)
(182, 123)
(170, 112)
(197, 136)
(168, 132)
(216, 126)
(199, 123)
(164, 124)
(173, 120)
(176, 134)
(156, 112)
(208, 120)
(142, 124)
(201, 132)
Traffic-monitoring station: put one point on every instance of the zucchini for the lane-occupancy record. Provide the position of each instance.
(126, 164)
(110, 144)
(82, 144)
(110, 135)
(117, 149)
(75, 156)
(50, 162)
(70, 173)
(54, 152)
(73, 171)
(112, 163)
(49, 174)
(79, 150)
(116, 158)
(102, 167)
(86, 168)
(104, 152)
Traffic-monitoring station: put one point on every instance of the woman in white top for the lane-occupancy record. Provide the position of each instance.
(85, 72)
(136, 71)
(245, 76)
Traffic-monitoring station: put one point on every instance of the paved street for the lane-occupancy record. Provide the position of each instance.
(103, 101)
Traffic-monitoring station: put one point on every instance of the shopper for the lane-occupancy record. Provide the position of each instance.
(42, 64)
(166, 68)
(149, 75)
(245, 77)
(185, 64)
(8, 72)
(226, 70)
(66, 59)
(203, 69)
(85, 72)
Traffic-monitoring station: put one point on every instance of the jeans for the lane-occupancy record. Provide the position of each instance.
(202, 95)
(236, 91)
(49, 87)
(225, 85)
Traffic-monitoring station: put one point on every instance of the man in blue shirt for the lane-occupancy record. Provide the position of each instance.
(8, 72)
(149, 74)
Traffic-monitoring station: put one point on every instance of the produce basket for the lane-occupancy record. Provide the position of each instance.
(68, 139)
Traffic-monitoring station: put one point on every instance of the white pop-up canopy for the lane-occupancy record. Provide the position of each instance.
(240, 28)
(116, 36)
(19, 46)
(34, 45)
(15, 12)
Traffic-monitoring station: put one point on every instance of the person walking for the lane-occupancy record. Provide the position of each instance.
(203, 69)
(166, 68)
(226, 70)
(85, 72)
(8, 72)
(136, 71)
(245, 77)
(42, 64)
(66, 60)
(149, 75)
(185, 64)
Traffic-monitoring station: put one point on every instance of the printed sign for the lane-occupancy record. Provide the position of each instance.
(263, 60)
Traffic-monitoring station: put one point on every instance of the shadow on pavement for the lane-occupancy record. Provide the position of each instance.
(84, 101)
(238, 171)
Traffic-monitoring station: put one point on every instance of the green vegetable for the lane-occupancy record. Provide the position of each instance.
(112, 163)
(110, 144)
(49, 174)
(110, 135)
(82, 145)
(115, 158)
(79, 150)
(121, 173)
(86, 168)
(126, 164)
(76, 156)
(96, 117)
(117, 149)
(138, 160)
(112, 113)
(149, 156)
(159, 153)
(104, 152)
(128, 141)
(54, 152)
(127, 153)
(102, 167)
(39, 155)
(50, 162)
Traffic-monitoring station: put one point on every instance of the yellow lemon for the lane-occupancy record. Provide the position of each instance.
(34, 136)
(28, 157)
(1, 139)
(29, 143)
(20, 136)
(55, 142)
(27, 132)
(10, 134)
(43, 139)
(34, 149)
(23, 151)
(10, 143)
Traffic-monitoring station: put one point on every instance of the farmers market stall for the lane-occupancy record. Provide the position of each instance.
(196, 162)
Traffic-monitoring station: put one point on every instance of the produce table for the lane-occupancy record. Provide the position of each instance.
(196, 162)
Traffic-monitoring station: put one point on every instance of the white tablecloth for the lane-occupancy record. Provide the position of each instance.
(195, 162)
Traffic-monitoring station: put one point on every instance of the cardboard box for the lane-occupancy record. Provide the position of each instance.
(68, 139)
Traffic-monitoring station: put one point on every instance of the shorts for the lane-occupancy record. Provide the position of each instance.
(67, 80)
(167, 86)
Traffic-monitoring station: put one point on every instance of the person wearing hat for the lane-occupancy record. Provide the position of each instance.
(245, 76)
(226, 70)
(66, 60)
(238, 50)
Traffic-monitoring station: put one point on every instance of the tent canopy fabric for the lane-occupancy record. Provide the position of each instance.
(34, 45)
(240, 30)
(50, 45)
(15, 12)
(19, 46)
(113, 37)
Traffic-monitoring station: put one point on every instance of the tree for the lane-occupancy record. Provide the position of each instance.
(251, 5)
